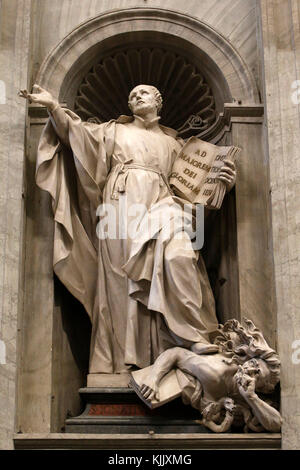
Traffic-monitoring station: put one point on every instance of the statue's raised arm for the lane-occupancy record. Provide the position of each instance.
(59, 118)
(72, 166)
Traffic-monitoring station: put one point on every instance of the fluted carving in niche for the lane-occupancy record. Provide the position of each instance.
(188, 102)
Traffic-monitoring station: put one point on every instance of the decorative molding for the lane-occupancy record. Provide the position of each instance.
(188, 102)
(81, 47)
(233, 112)
(262, 441)
(208, 56)
(243, 110)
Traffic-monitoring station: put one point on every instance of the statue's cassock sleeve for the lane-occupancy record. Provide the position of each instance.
(73, 169)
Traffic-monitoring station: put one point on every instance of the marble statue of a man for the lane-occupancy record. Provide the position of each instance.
(143, 295)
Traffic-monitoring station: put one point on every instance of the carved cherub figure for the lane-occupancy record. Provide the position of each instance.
(228, 387)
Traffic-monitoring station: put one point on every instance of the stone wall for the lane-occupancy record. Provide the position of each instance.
(52, 20)
(14, 60)
(281, 53)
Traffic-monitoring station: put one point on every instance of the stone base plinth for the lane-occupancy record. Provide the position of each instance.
(43, 441)
(119, 410)
(108, 380)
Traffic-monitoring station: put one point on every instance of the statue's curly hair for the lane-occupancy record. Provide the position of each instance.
(248, 343)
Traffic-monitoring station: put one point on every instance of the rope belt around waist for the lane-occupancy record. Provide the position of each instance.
(121, 169)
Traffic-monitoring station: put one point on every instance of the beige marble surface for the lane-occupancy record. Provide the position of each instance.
(236, 21)
(61, 71)
(254, 242)
(14, 40)
(281, 51)
(108, 380)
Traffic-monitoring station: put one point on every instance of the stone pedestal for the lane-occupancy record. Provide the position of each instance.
(108, 380)
(120, 411)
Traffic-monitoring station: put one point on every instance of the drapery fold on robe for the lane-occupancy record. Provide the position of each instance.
(142, 294)
(150, 265)
(75, 180)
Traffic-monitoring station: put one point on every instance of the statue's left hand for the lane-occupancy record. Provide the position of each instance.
(227, 174)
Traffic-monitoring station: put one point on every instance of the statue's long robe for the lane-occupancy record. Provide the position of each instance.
(143, 295)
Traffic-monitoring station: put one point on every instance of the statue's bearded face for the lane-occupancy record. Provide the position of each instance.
(142, 100)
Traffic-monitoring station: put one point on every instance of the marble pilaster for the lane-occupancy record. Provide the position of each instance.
(281, 41)
(14, 43)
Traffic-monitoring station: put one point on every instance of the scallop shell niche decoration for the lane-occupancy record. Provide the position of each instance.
(188, 102)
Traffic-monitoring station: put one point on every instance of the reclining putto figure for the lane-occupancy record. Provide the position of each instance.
(229, 387)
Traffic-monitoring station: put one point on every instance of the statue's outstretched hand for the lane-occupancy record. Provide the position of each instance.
(39, 96)
(149, 389)
(227, 174)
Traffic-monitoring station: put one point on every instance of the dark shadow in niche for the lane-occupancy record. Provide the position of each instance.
(220, 256)
(76, 324)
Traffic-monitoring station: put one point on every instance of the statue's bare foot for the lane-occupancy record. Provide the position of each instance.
(202, 348)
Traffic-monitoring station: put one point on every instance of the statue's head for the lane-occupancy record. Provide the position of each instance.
(247, 347)
(265, 373)
(144, 99)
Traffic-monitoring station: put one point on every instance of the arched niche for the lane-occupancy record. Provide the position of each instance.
(195, 48)
(243, 250)
(70, 60)
(227, 74)
(190, 83)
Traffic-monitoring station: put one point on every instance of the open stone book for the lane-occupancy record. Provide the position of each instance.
(168, 389)
(195, 170)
